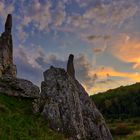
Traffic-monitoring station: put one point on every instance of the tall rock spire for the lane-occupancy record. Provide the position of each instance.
(7, 68)
(67, 108)
(70, 66)
(8, 24)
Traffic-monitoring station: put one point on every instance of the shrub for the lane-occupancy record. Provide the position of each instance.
(122, 129)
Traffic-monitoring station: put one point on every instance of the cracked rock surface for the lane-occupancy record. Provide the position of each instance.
(18, 87)
(68, 109)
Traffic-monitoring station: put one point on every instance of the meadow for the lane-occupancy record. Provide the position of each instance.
(128, 129)
(17, 122)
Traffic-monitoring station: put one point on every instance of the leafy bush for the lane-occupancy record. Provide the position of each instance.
(121, 129)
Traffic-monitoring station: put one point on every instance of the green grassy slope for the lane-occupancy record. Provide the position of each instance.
(123, 102)
(121, 109)
(17, 122)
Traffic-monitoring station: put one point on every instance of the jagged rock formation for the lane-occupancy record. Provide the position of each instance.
(18, 87)
(9, 84)
(63, 101)
(70, 66)
(67, 107)
(8, 24)
(7, 68)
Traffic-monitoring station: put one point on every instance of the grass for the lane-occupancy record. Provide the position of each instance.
(17, 122)
(128, 129)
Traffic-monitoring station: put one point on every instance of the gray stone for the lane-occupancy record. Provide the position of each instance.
(18, 87)
(7, 68)
(70, 66)
(8, 24)
(67, 107)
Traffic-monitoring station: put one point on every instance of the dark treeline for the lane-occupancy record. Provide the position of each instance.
(123, 102)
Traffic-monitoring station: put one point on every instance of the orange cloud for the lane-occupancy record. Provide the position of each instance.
(128, 50)
(96, 89)
(103, 78)
(108, 71)
(103, 84)
(106, 85)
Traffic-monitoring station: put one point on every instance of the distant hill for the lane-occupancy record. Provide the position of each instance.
(122, 102)
(17, 122)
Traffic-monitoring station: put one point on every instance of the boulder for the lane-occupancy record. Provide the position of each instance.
(68, 109)
(18, 87)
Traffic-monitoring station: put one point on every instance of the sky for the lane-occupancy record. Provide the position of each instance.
(103, 35)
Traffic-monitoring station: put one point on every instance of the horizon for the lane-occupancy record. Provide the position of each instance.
(103, 35)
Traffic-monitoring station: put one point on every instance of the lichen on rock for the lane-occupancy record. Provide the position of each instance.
(7, 68)
(68, 109)
(9, 84)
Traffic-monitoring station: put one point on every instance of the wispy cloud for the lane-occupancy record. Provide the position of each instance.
(94, 23)
(61, 14)
(6, 9)
(113, 12)
(35, 61)
(128, 51)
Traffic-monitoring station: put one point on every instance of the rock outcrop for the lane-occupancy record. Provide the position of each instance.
(9, 84)
(8, 24)
(70, 66)
(18, 87)
(68, 109)
(7, 68)
(63, 101)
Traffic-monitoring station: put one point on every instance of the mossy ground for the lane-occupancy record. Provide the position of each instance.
(17, 122)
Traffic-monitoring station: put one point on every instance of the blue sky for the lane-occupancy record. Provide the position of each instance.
(102, 34)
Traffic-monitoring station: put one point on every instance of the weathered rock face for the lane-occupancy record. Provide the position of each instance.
(7, 68)
(18, 87)
(70, 66)
(8, 24)
(68, 109)
(9, 84)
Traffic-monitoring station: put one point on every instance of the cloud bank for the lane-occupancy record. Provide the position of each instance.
(95, 23)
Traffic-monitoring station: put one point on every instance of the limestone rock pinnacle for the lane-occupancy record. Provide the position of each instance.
(70, 66)
(7, 68)
(68, 109)
(8, 24)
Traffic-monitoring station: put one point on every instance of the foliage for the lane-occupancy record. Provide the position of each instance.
(17, 122)
(121, 108)
(125, 129)
(120, 103)
(121, 129)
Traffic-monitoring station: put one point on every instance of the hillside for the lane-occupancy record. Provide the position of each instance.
(121, 108)
(17, 122)
(123, 102)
